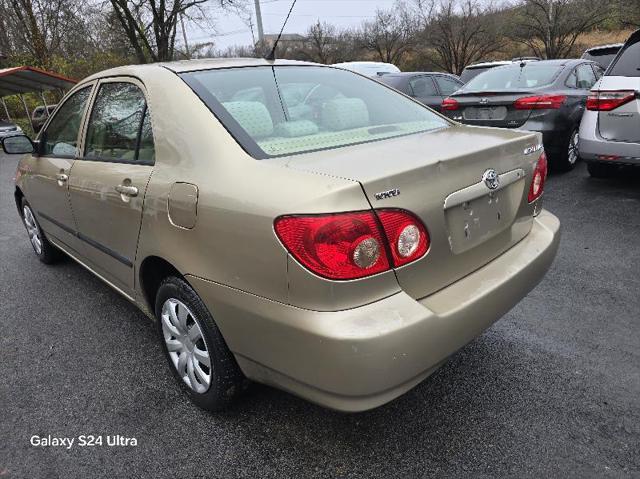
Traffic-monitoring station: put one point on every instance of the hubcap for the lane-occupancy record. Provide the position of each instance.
(186, 345)
(32, 229)
(572, 154)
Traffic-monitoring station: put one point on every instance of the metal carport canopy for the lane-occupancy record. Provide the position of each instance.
(18, 80)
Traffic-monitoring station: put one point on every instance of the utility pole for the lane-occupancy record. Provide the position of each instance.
(259, 22)
(184, 36)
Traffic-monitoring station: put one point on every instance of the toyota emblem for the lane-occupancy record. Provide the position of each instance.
(491, 179)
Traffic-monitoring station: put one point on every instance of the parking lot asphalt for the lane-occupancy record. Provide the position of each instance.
(551, 390)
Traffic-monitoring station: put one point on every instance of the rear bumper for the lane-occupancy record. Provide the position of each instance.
(593, 147)
(361, 358)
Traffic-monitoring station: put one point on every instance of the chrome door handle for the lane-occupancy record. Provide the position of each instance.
(126, 190)
(62, 178)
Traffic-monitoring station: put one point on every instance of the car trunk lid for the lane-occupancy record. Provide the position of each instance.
(491, 108)
(469, 224)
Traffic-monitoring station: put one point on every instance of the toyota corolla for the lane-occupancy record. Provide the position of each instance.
(288, 223)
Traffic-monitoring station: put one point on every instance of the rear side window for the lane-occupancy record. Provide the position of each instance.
(447, 85)
(582, 78)
(119, 128)
(628, 63)
(61, 136)
(469, 73)
(423, 86)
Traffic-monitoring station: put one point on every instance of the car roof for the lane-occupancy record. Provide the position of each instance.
(604, 47)
(364, 64)
(183, 66)
(488, 64)
(558, 62)
(403, 74)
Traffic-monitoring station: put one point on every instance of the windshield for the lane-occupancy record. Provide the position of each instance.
(276, 111)
(531, 75)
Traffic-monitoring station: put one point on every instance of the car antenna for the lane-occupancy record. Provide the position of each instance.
(272, 54)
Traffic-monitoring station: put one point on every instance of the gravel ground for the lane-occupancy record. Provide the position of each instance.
(551, 390)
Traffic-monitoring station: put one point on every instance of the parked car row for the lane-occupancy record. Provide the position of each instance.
(546, 96)
(8, 129)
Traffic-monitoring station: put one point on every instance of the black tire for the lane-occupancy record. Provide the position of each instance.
(600, 170)
(227, 380)
(568, 156)
(48, 253)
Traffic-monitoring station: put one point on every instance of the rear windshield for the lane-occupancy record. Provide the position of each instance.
(602, 58)
(531, 75)
(285, 110)
(469, 73)
(628, 63)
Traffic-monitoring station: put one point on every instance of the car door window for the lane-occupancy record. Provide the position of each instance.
(585, 78)
(423, 87)
(61, 136)
(119, 128)
(447, 86)
(598, 70)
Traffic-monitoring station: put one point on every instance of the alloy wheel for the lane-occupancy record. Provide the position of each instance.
(186, 345)
(572, 153)
(35, 236)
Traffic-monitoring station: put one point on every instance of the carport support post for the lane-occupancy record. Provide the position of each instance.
(44, 101)
(26, 109)
(6, 110)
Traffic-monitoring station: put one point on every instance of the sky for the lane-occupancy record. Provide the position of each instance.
(233, 31)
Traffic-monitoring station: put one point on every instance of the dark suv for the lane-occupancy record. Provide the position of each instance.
(40, 115)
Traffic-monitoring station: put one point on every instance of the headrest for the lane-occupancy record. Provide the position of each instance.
(344, 113)
(295, 128)
(252, 116)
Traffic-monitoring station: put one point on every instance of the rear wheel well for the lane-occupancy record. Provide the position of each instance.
(153, 271)
(18, 195)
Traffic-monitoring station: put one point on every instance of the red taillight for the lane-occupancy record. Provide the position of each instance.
(540, 102)
(353, 245)
(406, 235)
(609, 100)
(539, 177)
(449, 104)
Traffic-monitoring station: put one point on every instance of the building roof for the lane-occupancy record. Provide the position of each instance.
(25, 79)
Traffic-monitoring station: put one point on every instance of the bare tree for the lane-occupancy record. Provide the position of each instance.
(41, 29)
(389, 36)
(631, 13)
(551, 27)
(322, 42)
(151, 25)
(460, 32)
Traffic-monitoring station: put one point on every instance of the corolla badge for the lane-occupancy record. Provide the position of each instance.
(387, 194)
(532, 149)
(491, 179)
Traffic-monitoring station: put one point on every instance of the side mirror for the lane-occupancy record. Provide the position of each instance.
(17, 145)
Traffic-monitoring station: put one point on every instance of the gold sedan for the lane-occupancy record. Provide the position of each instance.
(294, 224)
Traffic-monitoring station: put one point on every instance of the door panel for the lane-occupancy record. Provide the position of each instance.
(48, 196)
(51, 166)
(109, 221)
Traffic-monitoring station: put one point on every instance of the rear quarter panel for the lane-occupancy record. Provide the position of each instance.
(233, 242)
